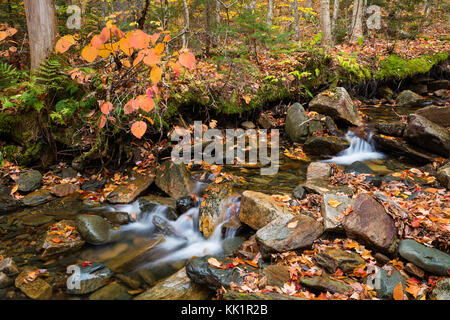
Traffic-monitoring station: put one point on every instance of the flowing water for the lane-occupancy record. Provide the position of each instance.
(359, 150)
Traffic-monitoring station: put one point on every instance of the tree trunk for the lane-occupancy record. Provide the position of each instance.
(218, 12)
(335, 16)
(296, 20)
(141, 20)
(208, 26)
(186, 22)
(41, 23)
(325, 23)
(269, 12)
(357, 26)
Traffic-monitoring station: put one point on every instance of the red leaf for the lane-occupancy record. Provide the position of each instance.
(138, 129)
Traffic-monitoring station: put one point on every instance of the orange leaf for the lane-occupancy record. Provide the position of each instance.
(131, 106)
(89, 53)
(151, 58)
(145, 103)
(154, 38)
(398, 292)
(64, 44)
(187, 60)
(138, 129)
(102, 121)
(139, 39)
(106, 107)
(334, 203)
(56, 240)
(215, 263)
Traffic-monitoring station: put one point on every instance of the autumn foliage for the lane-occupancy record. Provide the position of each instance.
(132, 52)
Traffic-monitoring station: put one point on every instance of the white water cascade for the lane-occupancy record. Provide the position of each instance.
(184, 240)
(359, 150)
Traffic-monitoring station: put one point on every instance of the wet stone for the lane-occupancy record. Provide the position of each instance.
(200, 271)
(277, 275)
(174, 179)
(61, 237)
(38, 289)
(113, 291)
(29, 181)
(429, 259)
(318, 170)
(93, 185)
(176, 287)
(384, 282)
(332, 214)
(325, 283)
(7, 203)
(231, 245)
(89, 278)
(5, 281)
(94, 229)
(332, 259)
(442, 290)
(64, 189)
(133, 188)
(36, 220)
(37, 198)
(8, 267)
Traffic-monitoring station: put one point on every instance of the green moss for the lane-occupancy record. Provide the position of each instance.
(23, 155)
(398, 68)
(5, 123)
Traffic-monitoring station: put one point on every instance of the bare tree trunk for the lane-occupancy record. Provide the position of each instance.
(357, 26)
(296, 20)
(141, 20)
(269, 12)
(208, 25)
(325, 23)
(186, 22)
(41, 23)
(218, 11)
(335, 15)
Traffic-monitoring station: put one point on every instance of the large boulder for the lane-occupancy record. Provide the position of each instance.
(325, 145)
(437, 114)
(176, 287)
(296, 123)
(318, 170)
(338, 105)
(277, 275)
(213, 210)
(370, 223)
(332, 209)
(174, 179)
(133, 188)
(321, 186)
(428, 135)
(94, 229)
(258, 209)
(285, 234)
(29, 181)
(409, 98)
(61, 238)
(429, 259)
(443, 176)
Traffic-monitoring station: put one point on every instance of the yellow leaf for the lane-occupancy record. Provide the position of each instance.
(14, 189)
(64, 44)
(247, 99)
(215, 263)
(334, 203)
(159, 48)
(155, 74)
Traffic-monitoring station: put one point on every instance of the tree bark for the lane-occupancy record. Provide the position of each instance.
(41, 24)
(357, 26)
(141, 20)
(186, 22)
(325, 23)
(269, 12)
(218, 12)
(335, 15)
(296, 20)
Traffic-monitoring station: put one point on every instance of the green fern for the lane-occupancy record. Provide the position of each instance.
(49, 75)
(8, 75)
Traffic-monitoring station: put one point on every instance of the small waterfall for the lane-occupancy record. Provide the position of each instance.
(359, 150)
(185, 239)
